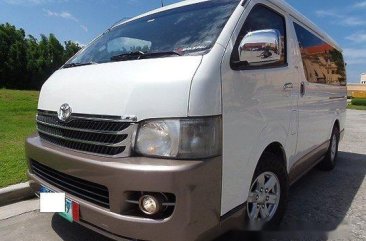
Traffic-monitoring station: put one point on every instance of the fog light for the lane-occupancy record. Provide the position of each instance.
(150, 205)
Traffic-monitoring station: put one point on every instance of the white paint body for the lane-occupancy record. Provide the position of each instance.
(256, 110)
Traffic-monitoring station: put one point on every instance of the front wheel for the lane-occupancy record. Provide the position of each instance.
(267, 199)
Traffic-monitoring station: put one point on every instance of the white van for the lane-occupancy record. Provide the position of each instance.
(190, 120)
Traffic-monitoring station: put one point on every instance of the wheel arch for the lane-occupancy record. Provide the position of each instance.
(277, 149)
(273, 137)
(337, 124)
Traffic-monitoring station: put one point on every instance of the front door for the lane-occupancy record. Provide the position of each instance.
(259, 104)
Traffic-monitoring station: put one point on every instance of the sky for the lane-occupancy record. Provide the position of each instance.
(82, 20)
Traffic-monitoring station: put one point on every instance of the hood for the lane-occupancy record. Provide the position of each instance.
(149, 88)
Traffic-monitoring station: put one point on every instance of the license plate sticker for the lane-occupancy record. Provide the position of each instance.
(44, 189)
(72, 208)
(68, 211)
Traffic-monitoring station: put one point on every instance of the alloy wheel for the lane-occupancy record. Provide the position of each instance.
(264, 197)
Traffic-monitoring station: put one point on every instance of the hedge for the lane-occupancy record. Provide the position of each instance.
(357, 101)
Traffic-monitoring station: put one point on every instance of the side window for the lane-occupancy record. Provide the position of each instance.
(323, 64)
(261, 42)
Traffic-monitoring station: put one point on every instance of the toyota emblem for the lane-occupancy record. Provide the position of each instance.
(64, 112)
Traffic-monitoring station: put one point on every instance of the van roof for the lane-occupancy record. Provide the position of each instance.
(279, 3)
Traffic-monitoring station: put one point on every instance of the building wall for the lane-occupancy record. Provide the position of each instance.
(353, 89)
(363, 79)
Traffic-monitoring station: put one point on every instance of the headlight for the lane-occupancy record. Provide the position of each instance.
(189, 138)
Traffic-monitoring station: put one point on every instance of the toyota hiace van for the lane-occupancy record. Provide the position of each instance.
(190, 120)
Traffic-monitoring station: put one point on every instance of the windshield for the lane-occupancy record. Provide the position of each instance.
(187, 30)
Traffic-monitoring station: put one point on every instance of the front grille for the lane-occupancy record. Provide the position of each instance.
(91, 192)
(103, 135)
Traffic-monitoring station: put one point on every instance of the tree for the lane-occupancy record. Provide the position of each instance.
(25, 62)
(71, 48)
(33, 69)
(12, 54)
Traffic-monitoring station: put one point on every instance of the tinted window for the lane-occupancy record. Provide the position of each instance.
(323, 64)
(261, 18)
(191, 29)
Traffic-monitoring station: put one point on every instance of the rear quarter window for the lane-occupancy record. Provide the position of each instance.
(323, 64)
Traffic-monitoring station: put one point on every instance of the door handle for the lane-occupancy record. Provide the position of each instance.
(302, 89)
(288, 86)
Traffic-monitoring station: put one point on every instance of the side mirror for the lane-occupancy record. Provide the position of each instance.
(260, 48)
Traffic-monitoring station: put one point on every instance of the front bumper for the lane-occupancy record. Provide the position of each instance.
(196, 185)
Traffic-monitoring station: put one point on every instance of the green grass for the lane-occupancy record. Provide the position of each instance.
(17, 121)
(356, 107)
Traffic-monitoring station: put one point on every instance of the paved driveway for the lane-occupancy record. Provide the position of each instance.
(322, 205)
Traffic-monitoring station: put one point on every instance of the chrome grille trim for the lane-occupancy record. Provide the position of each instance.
(123, 143)
(99, 135)
(85, 130)
(89, 117)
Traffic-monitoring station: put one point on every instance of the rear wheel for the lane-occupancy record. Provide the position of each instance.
(267, 199)
(329, 161)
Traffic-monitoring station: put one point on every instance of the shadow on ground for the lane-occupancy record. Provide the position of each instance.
(318, 204)
(73, 231)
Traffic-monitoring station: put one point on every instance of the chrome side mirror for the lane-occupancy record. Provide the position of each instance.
(261, 47)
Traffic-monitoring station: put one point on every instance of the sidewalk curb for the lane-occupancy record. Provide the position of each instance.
(15, 193)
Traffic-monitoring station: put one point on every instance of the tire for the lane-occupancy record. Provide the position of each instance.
(270, 166)
(329, 162)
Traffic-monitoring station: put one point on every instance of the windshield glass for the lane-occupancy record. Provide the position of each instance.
(187, 30)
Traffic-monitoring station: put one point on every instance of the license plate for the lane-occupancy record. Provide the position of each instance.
(72, 208)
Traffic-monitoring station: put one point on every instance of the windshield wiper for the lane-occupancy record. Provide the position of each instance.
(131, 55)
(159, 54)
(143, 55)
(71, 65)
